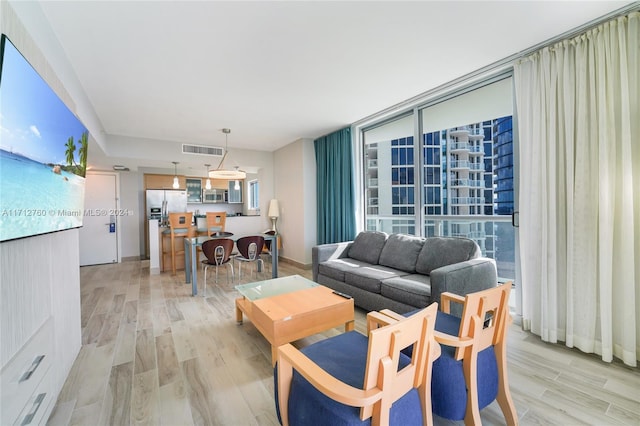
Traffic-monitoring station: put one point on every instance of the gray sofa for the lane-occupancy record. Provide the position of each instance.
(402, 272)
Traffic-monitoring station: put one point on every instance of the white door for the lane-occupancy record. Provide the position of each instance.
(99, 233)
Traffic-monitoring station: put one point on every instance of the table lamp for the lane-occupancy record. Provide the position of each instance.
(273, 213)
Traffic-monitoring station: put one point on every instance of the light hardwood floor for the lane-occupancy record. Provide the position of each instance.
(153, 354)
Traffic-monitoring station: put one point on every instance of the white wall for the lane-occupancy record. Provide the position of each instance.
(295, 189)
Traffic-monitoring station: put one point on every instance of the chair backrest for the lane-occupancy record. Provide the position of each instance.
(216, 219)
(484, 317)
(250, 247)
(385, 344)
(217, 251)
(180, 221)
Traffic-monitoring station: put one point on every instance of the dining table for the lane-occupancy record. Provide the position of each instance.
(191, 258)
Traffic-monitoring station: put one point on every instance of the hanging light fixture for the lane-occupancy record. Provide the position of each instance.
(207, 184)
(220, 172)
(176, 182)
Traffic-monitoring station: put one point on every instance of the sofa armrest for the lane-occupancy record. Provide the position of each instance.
(325, 252)
(463, 278)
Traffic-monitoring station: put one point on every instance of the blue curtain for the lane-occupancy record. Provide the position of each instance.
(335, 188)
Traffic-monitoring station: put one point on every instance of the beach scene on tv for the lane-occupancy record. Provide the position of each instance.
(43, 154)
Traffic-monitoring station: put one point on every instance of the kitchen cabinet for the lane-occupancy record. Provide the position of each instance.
(194, 190)
(152, 181)
(235, 195)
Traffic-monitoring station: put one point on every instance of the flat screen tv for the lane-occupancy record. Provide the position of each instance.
(43, 153)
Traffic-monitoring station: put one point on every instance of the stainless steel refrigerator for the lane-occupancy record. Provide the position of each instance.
(161, 202)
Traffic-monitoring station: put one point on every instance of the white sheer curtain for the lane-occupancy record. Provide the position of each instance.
(579, 119)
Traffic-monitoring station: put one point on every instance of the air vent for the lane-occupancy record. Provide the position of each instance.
(202, 150)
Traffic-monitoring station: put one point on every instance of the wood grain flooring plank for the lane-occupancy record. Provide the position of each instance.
(116, 406)
(208, 350)
(174, 404)
(145, 409)
(130, 315)
(230, 407)
(125, 344)
(168, 366)
(199, 393)
(173, 309)
(145, 315)
(245, 374)
(91, 332)
(87, 415)
(161, 321)
(71, 386)
(133, 290)
(145, 351)
(89, 305)
(106, 299)
(94, 379)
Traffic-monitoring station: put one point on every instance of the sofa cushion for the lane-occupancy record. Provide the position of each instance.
(414, 289)
(401, 252)
(367, 246)
(336, 268)
(369, 277)
(442, 251)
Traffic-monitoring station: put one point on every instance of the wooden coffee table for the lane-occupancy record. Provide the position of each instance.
(290, 308)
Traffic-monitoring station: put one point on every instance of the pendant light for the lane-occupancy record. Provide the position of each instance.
(220, 172)
(176, 182)
(207, 184)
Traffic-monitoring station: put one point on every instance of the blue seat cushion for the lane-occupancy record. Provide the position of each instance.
(448, 388)
(344, 357)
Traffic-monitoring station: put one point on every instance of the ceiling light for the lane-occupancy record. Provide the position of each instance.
(220, 172)
(176, 182)
(207, 184)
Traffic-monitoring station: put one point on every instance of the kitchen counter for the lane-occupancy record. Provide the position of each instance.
(237, 224)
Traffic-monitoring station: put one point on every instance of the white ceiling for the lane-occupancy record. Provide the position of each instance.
(275, 72)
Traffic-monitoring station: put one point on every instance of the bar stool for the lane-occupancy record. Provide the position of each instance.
(216, 221)
(179, 226)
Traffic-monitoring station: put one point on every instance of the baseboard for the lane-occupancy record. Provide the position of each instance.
(294, 263)
(131, 259)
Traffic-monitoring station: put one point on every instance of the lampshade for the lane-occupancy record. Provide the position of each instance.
(176, 182)
(274, 209)
(227, 174)
(220, 172)
(207, 184)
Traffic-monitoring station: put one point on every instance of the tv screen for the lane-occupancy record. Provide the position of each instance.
(43, 153)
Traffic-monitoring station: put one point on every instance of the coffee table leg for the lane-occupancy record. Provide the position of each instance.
(238, 312)
(348, 326)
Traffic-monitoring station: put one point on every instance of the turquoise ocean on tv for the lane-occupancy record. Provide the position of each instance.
(36, 200)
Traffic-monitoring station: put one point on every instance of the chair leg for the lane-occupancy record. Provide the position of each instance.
(504, 394)
(204, 292)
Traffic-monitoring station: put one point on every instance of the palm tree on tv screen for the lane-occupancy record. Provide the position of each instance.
(71, 148)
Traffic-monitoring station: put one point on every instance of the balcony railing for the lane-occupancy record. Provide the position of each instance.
(373, 182)
(459, 164)
(494, 234)
(467, 200)
(467, 182)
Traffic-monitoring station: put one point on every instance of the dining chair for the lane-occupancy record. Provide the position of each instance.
(217, 253)
(352, 379)
(180, 225)
(249, 250)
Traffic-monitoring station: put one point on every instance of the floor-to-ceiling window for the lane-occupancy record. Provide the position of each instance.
(446, 167)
